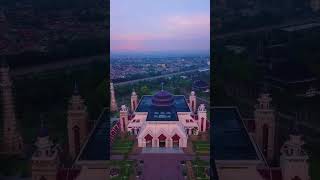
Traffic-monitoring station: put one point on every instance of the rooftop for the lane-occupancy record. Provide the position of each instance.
(163, 113)
(230, 138)
(97, 147)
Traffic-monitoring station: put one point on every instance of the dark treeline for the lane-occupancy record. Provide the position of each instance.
(74, 49)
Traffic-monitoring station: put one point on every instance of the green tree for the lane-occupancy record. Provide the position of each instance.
(144, 90)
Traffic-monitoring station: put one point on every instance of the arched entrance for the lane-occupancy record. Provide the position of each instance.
(175, 141)
(162, 140)
(148, 139)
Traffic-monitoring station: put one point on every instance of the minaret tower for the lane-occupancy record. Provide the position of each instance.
(193, 101)
(134, 101)
(45, 160)
(264, 117)
(294, 160)
(12, 140)
(77, 122)
(113, 103)
(202, 120)
(124, 118)
(3, 22)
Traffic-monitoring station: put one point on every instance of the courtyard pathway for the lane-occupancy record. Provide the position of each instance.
(162, 166)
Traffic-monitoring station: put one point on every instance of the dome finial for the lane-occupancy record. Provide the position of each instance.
(43, 132)
(75, 90)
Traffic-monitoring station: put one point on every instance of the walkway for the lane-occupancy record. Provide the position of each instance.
(162, 166)
(161, 151)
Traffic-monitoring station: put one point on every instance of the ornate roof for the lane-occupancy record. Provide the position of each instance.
(162, 98)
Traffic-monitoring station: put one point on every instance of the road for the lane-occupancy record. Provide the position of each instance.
(56, 65)
(154, 77)
(266, 28)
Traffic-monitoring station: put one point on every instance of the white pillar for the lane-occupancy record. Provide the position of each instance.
(144, 143)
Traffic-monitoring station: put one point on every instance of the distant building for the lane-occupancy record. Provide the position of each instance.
(200, 85)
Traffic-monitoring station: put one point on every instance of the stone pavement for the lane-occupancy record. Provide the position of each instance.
(161, 166)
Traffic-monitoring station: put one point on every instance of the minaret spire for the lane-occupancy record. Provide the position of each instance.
(113, 103)
(77, 122)
(75, 89)
(12, 140)
(161, 86)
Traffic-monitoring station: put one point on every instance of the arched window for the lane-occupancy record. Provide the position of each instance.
(134, 105)
(124, 124)
(76, 136)
(192, 105)
(202, 123)
(265, 139)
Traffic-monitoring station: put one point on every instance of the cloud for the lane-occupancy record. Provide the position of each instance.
(173, 31)
(198, 24)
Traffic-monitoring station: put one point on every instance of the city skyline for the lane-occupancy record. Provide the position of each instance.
(154, 27)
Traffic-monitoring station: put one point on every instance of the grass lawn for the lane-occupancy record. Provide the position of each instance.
(14, 166)
(122, 146)
(199, 169)
(314, 160)
(126, 169)
(201, 147)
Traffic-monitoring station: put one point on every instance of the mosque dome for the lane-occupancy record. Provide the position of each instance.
(162, 98)
(43, 132)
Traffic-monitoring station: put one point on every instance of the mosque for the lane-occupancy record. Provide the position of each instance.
(243, 148)
(163, 120)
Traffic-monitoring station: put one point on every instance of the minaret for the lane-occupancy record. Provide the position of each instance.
(193, 101)
(294, 160)
(134, 101)
(12, 140)
(45, 160)
(123, 118)
(202, 120)
(3, 22)
(264, 117)
(77, 122)
(113, 103)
